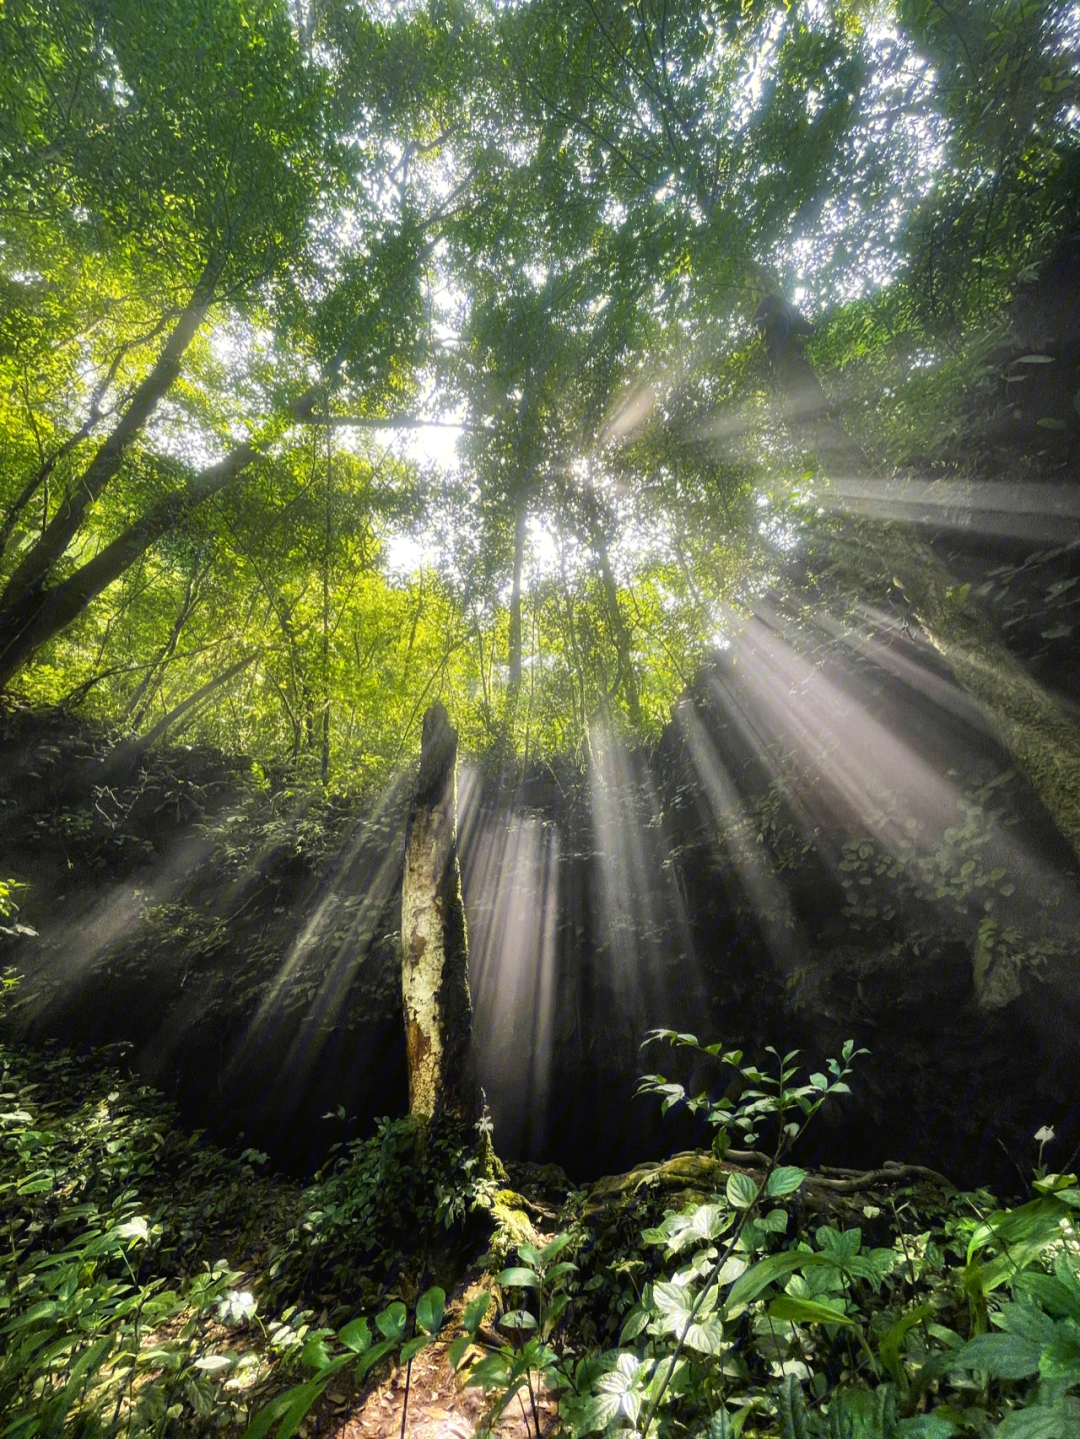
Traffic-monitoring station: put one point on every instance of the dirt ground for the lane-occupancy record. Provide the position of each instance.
(439, 1408)
(439, 1405)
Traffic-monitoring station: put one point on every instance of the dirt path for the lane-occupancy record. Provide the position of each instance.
(440, 1405)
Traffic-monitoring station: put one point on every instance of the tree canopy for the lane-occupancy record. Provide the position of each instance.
(249, 252)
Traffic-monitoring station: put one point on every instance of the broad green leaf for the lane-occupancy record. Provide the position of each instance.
(893, 1338)
(430, 1308)
(555, 1248)
(766, 1271)
(1052, 1421)
(706, 1337)
(784, 1181)
(806, 1311)
(1018, 1235)
(1004, 1356)
(213, 1363)
(371, 1357)
(290, 1408)
(315, 1354)
(926, 1426)
(518, 1278)
(741, 1190)
(517, 1319)
(475, 1310)
(392, 1321)
(560, 1271)
(355, 1335)
(775, 1222)
(1060, 1358)
(457, 1349)
(840, 1246)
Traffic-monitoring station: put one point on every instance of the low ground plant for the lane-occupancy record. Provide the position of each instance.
(751, 1319)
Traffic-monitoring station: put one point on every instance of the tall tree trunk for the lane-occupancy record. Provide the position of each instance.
(35, 567)
(513, 685)
(1042, 739)
(434, 973)
(1029, 723)
(45, 613)
(144, 742)
(626, 679)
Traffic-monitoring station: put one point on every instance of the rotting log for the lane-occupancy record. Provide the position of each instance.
(434, 969)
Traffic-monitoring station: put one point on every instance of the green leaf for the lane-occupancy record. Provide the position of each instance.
(555, 1248)
(212, 1363)
(839, 1246)
(775, 1222)
(371, 1357)
(552, 1311)
(806, 1311)
(267, 1417)
(766, 1271)
(314, 1353)
(492, 1372)
(893, 1337)
(1060, 1358)
(517, 1319)
(430, 1308)
(784, 1180)
(636, 1321)
(355, 1335)
(741, 1190)
(412, 1347)
(392, 1321)
(1053, 1421)
(475, 1311)
(925, 1426)
(1004, 1356)
(706, 1337)
(518, 1278)
(560, 1271)
(457, 1349)
(290, 1407)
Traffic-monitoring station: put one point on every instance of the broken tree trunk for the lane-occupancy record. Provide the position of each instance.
(434, 971)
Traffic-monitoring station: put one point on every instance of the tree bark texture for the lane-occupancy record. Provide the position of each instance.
(434, 972)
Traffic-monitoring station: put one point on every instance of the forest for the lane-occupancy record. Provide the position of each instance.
(540, 545)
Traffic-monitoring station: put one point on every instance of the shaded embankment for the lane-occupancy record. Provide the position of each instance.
(825, 843)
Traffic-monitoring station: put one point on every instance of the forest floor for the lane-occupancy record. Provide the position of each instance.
(120, 1318)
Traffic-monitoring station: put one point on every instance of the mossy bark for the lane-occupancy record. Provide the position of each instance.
(434, 976)
(1029, 723)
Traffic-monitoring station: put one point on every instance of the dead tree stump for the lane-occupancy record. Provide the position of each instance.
(434, 971)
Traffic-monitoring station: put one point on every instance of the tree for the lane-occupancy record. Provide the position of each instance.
(201, 189)
(434, 973)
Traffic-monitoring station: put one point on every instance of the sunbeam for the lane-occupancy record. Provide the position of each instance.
(511, 861)
(1045, 512)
